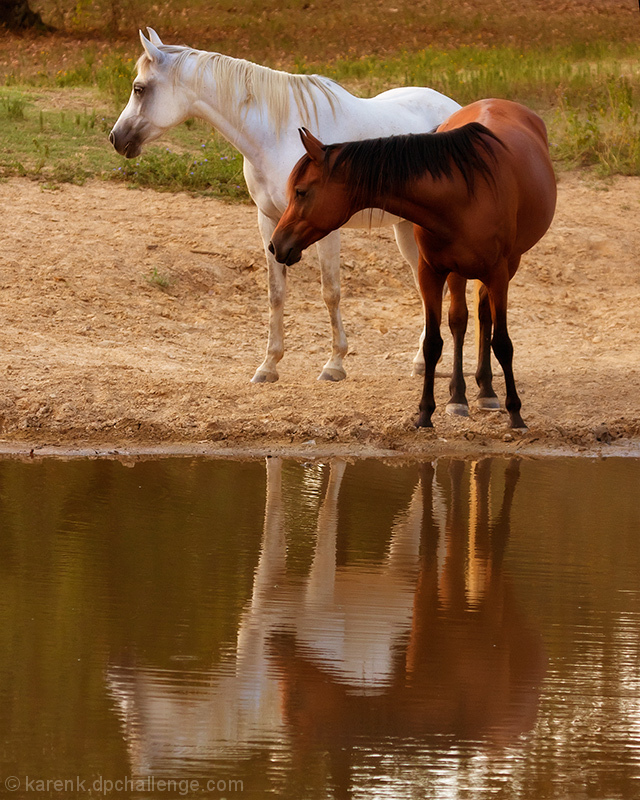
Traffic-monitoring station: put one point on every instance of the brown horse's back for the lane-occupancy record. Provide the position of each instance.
(525, 178)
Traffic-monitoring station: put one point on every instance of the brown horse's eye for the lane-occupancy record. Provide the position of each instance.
(300, 193)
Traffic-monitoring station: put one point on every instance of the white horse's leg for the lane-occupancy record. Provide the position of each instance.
(407, 245)
(329, 255)
(267, 371)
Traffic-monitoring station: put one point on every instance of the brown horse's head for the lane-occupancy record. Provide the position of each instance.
(318, 202)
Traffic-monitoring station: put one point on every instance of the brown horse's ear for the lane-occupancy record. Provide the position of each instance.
(313, 146)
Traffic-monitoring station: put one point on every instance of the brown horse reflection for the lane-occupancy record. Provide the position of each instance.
(428, 642)
(471, 665)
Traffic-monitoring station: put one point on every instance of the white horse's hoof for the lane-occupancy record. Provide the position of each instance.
(457, 409)
(332, 374)
(488, 404)
(262, 376)
(417, 371)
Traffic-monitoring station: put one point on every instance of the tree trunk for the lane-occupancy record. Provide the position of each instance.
(16, 15)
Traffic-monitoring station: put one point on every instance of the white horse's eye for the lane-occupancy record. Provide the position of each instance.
(138, 89)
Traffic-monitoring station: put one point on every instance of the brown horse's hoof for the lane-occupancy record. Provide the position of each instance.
(457, 409)
(488, 404)
(517, 423)
(424, 422)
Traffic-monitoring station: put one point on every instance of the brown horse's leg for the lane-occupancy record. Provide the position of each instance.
(503, 347)
(487, 399)
(458, 318)
(431, 286)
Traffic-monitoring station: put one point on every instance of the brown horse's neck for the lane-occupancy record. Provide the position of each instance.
(414, 175)
(425, 202)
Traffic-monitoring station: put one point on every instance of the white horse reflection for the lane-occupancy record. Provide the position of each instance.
(429, 641)
(333, 619)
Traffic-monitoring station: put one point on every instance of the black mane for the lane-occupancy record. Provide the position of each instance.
(377, 167)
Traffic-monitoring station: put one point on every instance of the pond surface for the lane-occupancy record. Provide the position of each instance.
(201, 628)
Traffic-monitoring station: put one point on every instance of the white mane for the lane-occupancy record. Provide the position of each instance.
(241, 84)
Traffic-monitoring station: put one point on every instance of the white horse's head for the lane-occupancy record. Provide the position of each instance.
(156, 103)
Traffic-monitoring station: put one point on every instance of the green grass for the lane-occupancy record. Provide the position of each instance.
(112, 75)
(156, 278)
(72, 146)
(604, 134)
(589, 95)
(49, 145)
(215, 169)
(535, 77)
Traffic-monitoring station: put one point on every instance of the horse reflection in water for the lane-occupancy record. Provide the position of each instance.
(428, 642)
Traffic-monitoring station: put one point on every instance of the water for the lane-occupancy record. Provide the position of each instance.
(201, 628)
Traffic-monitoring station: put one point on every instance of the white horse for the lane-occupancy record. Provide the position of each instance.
(259, 110)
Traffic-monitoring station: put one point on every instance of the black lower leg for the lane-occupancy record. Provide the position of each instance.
(458, 319)
(503, 349)
(432, 352)
(484, 374)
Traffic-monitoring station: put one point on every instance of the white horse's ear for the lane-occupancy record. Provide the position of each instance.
(150, 49)
(313, 146)
(153, 37)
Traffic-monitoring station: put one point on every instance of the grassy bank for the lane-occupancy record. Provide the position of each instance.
(56, 145)
(589, 96)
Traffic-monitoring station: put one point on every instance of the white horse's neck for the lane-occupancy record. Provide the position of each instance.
(252, 106)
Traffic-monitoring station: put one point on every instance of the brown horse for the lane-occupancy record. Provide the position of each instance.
(480, 191)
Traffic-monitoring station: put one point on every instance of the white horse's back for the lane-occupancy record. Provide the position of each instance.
(417, 100)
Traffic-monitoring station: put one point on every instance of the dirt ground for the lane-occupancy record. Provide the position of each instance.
(133, 322)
